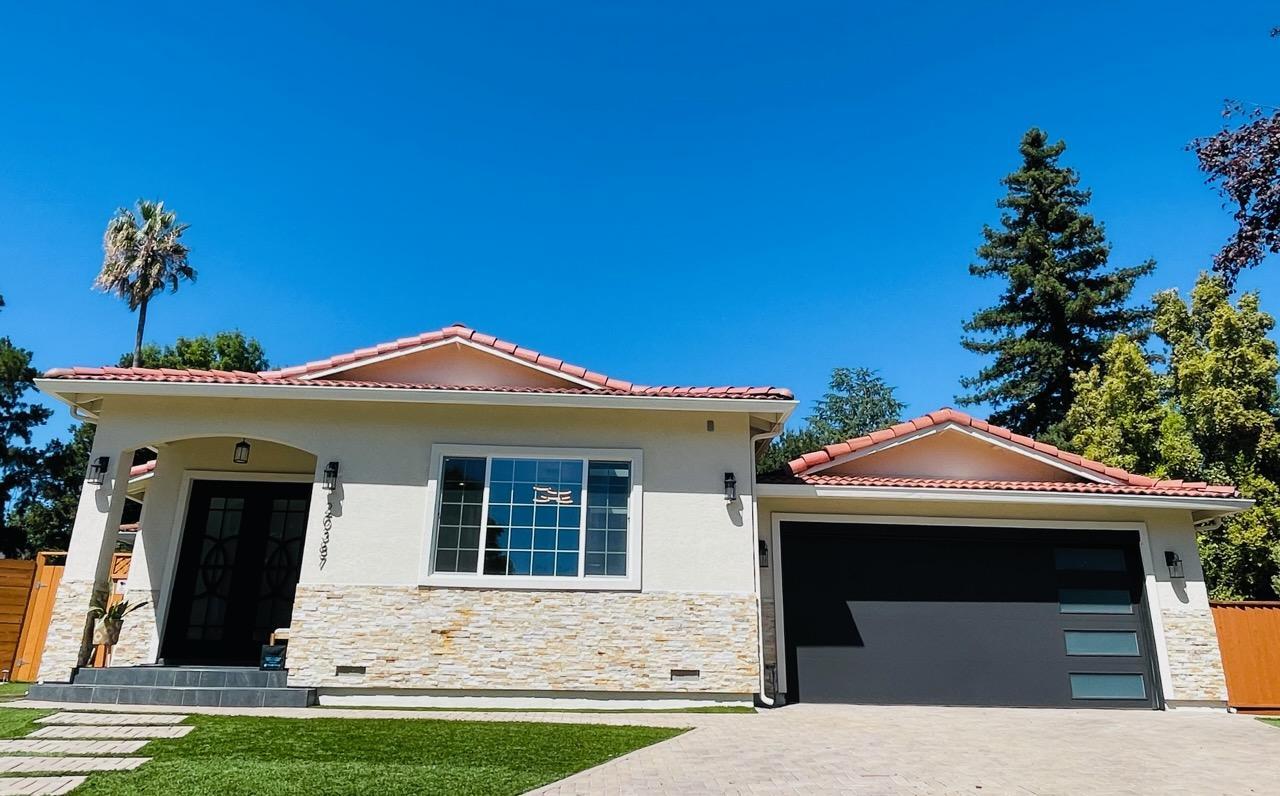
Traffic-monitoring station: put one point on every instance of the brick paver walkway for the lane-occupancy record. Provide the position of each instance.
(43, 786)
(811, 749)
(79, 743)
(827, 749)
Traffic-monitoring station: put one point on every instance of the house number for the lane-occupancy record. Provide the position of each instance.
(324, 539)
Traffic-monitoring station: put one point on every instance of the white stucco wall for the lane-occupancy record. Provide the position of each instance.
(693, 541)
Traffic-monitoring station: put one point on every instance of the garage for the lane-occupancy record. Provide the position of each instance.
(880, 613)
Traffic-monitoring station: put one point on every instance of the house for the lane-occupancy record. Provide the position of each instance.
(451, 517)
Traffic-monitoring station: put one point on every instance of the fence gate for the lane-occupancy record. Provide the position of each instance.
(38, 608)
(1249, 637)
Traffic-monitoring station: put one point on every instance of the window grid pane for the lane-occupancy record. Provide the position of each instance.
(458, 526)
(535, 510)
(608, 497)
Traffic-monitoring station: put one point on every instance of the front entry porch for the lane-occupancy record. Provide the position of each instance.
(216, 561)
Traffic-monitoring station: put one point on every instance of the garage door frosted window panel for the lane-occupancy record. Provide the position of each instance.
(544, 517)
(1108, 686)
(1102, 642)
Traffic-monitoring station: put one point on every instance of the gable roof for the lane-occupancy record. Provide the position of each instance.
(1099, 478)
(578, 379)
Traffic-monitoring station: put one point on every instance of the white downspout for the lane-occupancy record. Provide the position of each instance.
(755, 547)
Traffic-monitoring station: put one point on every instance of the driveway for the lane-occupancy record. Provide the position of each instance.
(913, 750)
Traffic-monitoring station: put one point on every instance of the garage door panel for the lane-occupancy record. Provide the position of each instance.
(968, 616)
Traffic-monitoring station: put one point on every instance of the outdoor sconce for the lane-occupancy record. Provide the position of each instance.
(241, 456)
(331, 476)
(1175, 564)
(97, 470)
(730, 487)
(764, 554)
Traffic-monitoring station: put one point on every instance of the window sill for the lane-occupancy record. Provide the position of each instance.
(530, 583)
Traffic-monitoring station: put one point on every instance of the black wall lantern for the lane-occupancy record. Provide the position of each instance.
(764, 554)
(241, 455)
(97, 472)
(1175, 564)
(331, 476)
(730, 487)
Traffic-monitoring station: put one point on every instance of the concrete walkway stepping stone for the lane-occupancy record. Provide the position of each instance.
(38, 786)
(123, 733)
(68, 765)
(113, 719)
(38, 746)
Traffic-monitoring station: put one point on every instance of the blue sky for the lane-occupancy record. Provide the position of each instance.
(694, 193)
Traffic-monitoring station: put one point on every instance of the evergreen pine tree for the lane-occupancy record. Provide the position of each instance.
(1061, 304)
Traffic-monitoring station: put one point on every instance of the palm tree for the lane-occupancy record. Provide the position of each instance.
(140, 261)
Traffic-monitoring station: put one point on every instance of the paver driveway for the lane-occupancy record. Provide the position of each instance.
(910, 750)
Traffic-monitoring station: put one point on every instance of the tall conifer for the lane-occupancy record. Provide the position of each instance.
(1061, 304)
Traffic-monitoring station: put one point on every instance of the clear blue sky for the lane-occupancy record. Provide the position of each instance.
(673, 192)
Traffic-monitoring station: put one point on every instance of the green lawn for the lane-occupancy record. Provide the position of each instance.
(244, 754)
(1272, 722)
(9, 691)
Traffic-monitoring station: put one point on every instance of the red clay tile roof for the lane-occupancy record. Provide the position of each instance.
(1122, 482)
(142, 469)
(305, 375)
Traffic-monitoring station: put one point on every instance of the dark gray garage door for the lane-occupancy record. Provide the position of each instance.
(911, 614)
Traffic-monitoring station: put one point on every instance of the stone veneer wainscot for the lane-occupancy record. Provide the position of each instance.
(490, 639)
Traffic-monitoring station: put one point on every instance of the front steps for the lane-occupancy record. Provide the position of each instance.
(178, 686)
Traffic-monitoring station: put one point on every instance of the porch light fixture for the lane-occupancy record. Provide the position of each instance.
(97, 470)
(730, 487)
(241, 456)
(764, 554)
(1175, 564)
(331, 476)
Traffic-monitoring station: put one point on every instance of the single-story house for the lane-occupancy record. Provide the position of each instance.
(451, 517)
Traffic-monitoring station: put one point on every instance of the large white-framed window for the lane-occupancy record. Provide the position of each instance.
(534, 517)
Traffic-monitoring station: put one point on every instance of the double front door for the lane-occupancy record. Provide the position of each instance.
(238, 567)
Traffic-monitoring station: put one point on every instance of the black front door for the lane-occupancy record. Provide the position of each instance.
(888, 614)
(237, 570)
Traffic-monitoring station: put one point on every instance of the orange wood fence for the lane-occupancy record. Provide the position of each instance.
(48, 574)
(15, 587)
(1249, 636)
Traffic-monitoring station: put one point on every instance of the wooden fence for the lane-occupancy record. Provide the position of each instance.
(15, 587)
(1249, 636)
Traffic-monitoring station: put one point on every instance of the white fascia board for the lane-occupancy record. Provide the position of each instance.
(484, 349)
(978, 434)
(59, 388)
(1212, 506)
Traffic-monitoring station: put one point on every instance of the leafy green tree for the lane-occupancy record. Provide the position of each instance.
(223, 351)
(1222, 369)
(1120, 417)
(142, 260)
(46, 511)
(19, 460)
(1061, 305)
(1212, 415)
(857, 402)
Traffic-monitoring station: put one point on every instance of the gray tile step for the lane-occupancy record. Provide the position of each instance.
(226, 697)
(182, 676)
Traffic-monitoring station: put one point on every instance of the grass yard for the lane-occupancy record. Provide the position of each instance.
(1273, 722)
(11, 691)
(249, 755)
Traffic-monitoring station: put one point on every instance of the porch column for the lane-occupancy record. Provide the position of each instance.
(86, 577)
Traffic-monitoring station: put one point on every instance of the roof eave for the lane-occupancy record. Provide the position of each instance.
(1202, 507)
(72, 391)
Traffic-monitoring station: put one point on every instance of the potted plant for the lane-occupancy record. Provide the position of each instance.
(110, 619)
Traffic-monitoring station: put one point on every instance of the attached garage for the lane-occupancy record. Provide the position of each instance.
(947, 561)
(883, 613)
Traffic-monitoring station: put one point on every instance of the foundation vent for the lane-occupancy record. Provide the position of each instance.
(350, 670)
(684, 675)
